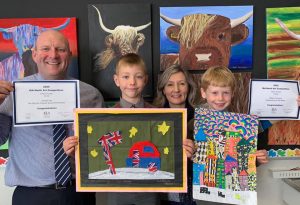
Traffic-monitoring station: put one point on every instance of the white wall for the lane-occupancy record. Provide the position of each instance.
(269, 189)
(5, 191)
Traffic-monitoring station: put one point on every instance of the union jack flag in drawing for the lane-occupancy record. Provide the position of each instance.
(107, 141)
(136, 158)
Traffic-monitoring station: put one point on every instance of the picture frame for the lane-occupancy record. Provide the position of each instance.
(131, 150)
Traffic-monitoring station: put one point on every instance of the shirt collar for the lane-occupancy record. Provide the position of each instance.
(126, 104)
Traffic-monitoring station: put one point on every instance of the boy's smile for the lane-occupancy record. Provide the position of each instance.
(218, 98)
(131, 80)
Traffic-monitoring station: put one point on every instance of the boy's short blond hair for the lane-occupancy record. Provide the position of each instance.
(218, 76)
(131, 59)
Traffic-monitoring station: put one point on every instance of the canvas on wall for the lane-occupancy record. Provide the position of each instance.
(224, 168)
(201, 37)
(18, 36)
(131, 150)
(283, 54)
(115, 30)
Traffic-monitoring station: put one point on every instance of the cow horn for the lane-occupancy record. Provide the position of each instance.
(285, 28)
(176, 22)
(62, 26)
(238, 21)
(7, 29)
(101, 23)
(139, 28)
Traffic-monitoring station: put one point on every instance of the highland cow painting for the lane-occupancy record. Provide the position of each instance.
(115, 30)
(283, 39)
(201, 37)
(283, 62)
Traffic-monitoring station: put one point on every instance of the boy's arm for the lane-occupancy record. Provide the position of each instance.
(5, 127)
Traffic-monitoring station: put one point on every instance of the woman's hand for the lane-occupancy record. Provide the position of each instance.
(69, 145)
(262, 156)
(189, 147)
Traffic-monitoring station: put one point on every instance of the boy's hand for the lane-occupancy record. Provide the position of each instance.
(5, 88)
(69, 145)
(189, 147)
(262, 156)
(298, 100)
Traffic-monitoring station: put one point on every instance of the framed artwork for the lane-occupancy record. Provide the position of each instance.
(18, 38)
(115, 30)
(131, 150)
(283, 54)
(224, 163)
(201, 37)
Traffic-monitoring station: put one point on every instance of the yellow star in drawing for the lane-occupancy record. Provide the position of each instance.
(166, 150)
(89, 129)
(163, 128)
(94, 153)
(132, 132)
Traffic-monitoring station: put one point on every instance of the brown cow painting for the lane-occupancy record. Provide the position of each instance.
(205, 40)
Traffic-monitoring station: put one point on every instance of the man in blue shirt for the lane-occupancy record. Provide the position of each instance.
(31, 164)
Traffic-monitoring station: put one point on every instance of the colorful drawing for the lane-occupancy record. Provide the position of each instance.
(138, 146)
(200, 37)
(18, 38)
(283, 54)
(112, 36)
(224, 163)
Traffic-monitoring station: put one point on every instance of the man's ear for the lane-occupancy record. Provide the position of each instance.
(202, 92)
(33, 54)
(146, 79)
(116, 80)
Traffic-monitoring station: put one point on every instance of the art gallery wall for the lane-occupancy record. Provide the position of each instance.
(268, 187)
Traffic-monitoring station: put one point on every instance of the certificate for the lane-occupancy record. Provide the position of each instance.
(45, 102)
(274, 99)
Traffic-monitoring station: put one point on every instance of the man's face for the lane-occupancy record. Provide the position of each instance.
(52, 55)
(218, 98)
(131, 79)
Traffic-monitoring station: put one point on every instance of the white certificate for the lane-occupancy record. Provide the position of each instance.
(274, 99)
(45, 102)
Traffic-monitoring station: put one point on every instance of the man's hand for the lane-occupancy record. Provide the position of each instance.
(69, 145)
(5, 88)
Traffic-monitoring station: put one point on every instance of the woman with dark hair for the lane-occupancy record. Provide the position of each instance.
(176, 89)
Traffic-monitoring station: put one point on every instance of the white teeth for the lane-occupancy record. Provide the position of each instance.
(53, 63)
